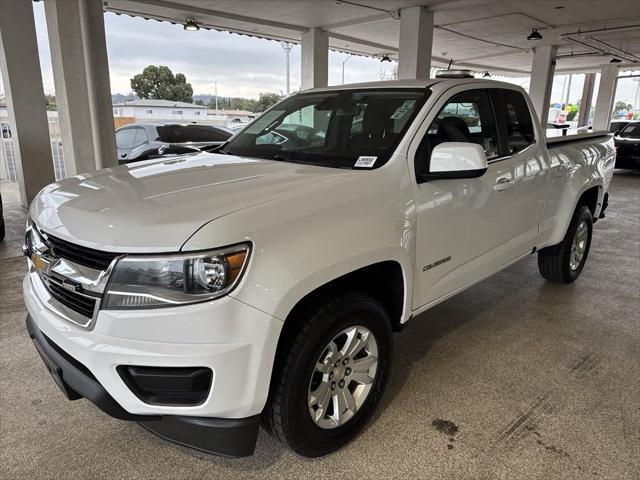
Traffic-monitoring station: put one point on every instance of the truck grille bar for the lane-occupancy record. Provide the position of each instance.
(88, 257)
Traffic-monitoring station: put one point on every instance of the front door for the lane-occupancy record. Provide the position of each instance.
(466, 228)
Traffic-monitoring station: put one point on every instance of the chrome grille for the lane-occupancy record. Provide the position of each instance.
(82, 304)
(71, 278)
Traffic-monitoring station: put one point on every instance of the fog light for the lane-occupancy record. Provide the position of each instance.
(169, 386)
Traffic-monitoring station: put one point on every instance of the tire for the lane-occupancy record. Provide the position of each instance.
(558, 263)
(287, 415)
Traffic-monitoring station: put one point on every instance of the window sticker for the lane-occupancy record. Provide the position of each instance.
(403, 109)
(365, 162)
(263, 122)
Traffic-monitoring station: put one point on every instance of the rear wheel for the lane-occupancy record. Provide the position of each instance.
(330, 373)
(564, 262)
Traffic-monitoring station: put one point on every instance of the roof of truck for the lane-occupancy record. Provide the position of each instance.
(412, 84)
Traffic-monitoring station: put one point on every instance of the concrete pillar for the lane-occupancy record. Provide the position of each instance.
(606, 94)
(416, 41)
(315, 59)
(81, 76)
(542, 70)
(587, 97)
(22, 79)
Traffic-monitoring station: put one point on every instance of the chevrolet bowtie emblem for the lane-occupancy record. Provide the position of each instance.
(41, 263)
(71, 286)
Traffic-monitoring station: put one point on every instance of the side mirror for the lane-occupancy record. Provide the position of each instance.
(457, 160)
(162, 149)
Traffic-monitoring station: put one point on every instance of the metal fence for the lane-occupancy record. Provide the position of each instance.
(8, 166)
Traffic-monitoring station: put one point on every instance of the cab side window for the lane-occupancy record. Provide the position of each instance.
(515, 119)
(466, 117)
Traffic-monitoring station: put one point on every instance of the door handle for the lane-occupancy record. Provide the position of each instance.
(503, 184)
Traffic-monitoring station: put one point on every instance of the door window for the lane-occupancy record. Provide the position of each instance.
(466, 117)
(125, 138)
(515, 119)
(141, 137)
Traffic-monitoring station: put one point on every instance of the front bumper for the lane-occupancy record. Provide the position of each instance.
(234, 340)
(229, 437)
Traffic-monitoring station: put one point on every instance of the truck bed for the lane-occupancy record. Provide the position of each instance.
(560, 139)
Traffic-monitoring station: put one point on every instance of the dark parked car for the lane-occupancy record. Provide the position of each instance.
(1, 220)
(617, 125)
(141, 141)
(628, 146)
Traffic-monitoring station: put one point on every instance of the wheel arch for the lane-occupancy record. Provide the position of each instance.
(592, 197)
(590, 194)
(385, 281)
(362, 279)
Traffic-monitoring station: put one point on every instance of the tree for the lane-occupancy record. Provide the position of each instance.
(159, 82)
(265, 101)
(622, 106)
(51, 102)
(199, 102)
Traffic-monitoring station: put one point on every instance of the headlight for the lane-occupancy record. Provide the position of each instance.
(145, 281)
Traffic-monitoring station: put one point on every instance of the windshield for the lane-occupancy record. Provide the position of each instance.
(631, 131)
(343, 129)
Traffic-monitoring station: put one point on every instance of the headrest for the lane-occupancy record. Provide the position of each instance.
(454, 129)
(376, 120)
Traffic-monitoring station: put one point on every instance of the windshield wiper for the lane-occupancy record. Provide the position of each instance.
(316, 163)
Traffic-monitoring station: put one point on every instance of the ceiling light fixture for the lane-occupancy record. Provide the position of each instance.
(191, 25)
(534, 35)
(385, 58)
(615, 60)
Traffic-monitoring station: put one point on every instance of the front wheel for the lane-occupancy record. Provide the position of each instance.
(564, 262)
(330, 373)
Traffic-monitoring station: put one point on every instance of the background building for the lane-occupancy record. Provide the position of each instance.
(146, 110)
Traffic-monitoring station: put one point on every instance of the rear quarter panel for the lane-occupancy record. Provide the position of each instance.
(575, 168)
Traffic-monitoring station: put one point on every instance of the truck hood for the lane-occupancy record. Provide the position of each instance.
(156, 205)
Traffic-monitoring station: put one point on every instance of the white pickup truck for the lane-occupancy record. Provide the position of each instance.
(205, 294)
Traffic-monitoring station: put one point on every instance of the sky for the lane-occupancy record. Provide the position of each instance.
(242, 66)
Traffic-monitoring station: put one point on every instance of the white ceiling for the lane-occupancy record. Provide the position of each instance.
(482, 34)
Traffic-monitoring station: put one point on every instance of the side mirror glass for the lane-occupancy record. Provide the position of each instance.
(457, 160)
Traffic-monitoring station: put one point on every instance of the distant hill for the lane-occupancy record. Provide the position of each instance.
(204, 98)
(235, 103)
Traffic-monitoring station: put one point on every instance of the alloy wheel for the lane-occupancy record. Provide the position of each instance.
(343, 377)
